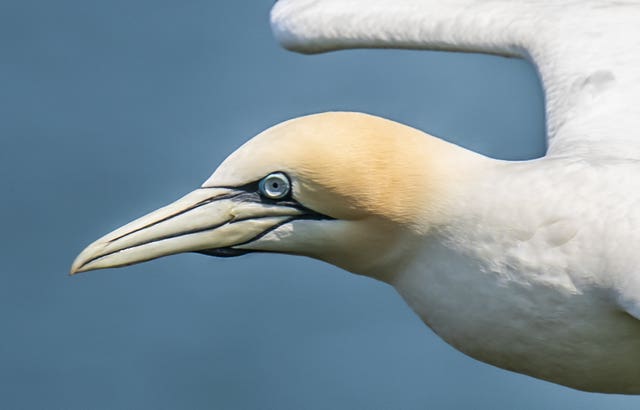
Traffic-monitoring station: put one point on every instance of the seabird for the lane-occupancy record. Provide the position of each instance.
(530, 266)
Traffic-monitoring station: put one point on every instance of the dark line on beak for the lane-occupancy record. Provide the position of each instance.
(233, 251)
(263, 233)
(197, 205)
(195, 231)
(199, 230)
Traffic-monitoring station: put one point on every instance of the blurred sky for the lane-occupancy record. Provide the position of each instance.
(109, 109)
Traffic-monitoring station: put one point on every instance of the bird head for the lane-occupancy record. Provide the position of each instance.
(347, 188)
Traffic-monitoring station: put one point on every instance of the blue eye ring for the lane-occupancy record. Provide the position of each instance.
(275, 186)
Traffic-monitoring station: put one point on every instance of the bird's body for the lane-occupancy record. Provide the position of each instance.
(530, 272)
(530, 266)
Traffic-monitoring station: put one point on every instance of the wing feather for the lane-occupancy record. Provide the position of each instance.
(587, 52)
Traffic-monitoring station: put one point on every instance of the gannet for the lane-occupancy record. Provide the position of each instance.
(530, 266)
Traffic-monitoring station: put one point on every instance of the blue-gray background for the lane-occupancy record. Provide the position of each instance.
(111, 109)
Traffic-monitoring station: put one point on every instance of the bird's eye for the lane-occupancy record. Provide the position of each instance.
(275, 186)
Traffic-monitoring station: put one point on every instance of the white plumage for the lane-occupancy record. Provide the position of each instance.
(585, 51)
(563, 228)
(530, 266)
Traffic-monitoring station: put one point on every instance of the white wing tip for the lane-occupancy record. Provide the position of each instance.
(302, 25)
(281, 26)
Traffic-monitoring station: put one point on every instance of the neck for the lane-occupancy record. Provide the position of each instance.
(451, 184)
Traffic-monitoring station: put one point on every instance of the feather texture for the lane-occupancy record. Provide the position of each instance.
(585, 52)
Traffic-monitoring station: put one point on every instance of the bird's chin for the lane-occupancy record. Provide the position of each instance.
(224, 252)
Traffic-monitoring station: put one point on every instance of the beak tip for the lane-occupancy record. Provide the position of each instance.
(82, 261)
(76, 267)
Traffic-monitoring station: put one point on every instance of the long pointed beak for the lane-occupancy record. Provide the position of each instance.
(208, 220)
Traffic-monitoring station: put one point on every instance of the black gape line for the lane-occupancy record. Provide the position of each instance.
(251, 193)
(230, 252)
